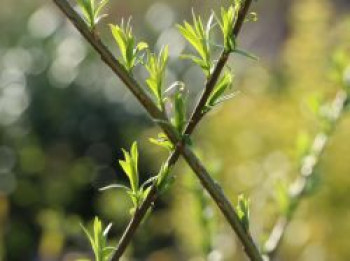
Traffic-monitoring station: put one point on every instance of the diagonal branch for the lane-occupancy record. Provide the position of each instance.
(298, 189)
(195, 118)
(209, 184)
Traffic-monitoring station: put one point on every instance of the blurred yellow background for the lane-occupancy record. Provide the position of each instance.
(64, 117)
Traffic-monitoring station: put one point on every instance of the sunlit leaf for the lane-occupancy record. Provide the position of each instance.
(162, 141)
(156, 66)
(164, 180)
(199, 38)
(226, 22)
(129, 165)
(223, 84)
(131, 53)
(91, 11)
(98, 240)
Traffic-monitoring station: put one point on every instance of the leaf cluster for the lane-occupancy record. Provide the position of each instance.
(98, 241)
(226, 22)
(156, 66)
(136, 192)
(199, 38)
(91, 11)
(129, 50)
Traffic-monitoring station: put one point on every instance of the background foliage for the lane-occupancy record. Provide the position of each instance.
(64, 117)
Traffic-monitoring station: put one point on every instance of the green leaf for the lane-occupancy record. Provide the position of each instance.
(176, 98)
(84, 7)
(107, 229)
(199, 38)
(164, 180)
(226, 97)
(91, 11)
(135, 156)
(246, 54)
(88, 235)
(179, 107)
(145, 193)
(114, 186)
(162, 141)
(107, 252)
(100, 7)
(222, 85)
(129, 165)
(130, 52)
(98, 240)
(141, 46)
(226, 23)
(243, 211)
(156, 65)
(197, 61)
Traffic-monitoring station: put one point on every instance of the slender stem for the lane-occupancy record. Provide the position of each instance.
(298, 189)
(213, 189)
(195, 118)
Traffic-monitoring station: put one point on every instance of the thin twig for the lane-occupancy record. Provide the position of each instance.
(195, 118)
(298, 189)
(213, 189)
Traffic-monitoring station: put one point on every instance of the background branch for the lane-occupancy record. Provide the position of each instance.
(307, 171)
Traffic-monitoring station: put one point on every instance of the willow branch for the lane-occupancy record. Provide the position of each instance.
(298, 189)
(195, 118)
(208, 183)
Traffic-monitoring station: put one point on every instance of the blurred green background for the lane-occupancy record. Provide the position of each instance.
(64, 117)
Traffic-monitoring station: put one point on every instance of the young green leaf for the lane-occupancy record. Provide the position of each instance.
(243, 211)
(98, 240)
(164, 180)
(176, 99)
(136, 192)
(246, 54)
(226, 23)
(91, 11)
(223, 84)
(130, 167)
(163, 141)
(199, 38)
(131, 53)
(156, 66)
(179, 118)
